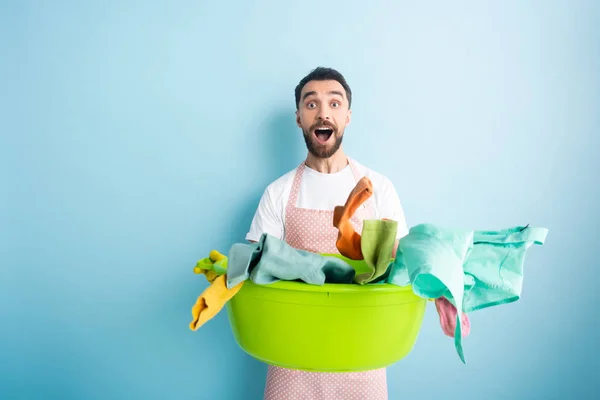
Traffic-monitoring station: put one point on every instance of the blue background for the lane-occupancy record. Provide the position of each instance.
(138, 136)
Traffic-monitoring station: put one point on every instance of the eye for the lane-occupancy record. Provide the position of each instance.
(335, 104)
(312, 104)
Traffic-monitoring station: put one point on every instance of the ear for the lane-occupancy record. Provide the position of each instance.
(349, 117)
(298, 119)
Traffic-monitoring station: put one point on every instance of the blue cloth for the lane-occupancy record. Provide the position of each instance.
(241, 257)
(472, 269)
(271, 259)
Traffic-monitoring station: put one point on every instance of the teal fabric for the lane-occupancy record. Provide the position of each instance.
(377, 244)
(271, 259)
(240, 259)
(433, 258)
(398, 271)
(496, 266)
(472, 269)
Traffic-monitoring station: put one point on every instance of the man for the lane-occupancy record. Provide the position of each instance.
(298, 208)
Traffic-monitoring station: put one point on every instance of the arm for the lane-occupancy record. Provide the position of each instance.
(266, 219)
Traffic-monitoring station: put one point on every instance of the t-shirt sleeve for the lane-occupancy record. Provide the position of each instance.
(390, 207)
(266, 219)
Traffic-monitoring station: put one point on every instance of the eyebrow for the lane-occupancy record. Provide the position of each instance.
(333, 92)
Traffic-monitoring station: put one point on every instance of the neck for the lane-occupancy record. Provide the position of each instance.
(333, 164)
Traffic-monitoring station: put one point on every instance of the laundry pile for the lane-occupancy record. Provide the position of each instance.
(461, 270)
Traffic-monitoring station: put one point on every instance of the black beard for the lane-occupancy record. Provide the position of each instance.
(317, 150)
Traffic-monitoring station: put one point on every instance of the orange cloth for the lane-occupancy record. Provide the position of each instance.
(348, 242)
(211, 301)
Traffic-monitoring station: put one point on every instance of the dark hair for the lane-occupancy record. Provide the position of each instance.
(323, 74)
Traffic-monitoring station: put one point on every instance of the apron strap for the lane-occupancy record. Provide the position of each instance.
(295, 190)
(293, 198)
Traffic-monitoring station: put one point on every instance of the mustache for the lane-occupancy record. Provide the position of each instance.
(323, 124)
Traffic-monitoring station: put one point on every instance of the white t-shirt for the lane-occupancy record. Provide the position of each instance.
(323, 192)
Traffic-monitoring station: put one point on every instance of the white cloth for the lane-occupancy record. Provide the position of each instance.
(323, 192)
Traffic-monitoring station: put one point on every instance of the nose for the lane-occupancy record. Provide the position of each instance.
(323, 113)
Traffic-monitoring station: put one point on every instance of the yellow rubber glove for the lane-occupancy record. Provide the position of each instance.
(216, 256)
(211, 301)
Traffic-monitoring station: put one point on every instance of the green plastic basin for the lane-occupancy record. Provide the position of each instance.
(329, 328)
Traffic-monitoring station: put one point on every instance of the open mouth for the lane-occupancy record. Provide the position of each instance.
(323, 134)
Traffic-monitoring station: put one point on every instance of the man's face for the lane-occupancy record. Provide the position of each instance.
(323, 114)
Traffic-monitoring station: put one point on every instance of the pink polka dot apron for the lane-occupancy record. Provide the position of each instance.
(313, 230)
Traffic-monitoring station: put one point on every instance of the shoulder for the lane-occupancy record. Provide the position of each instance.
(278, 188)
(270, 216)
